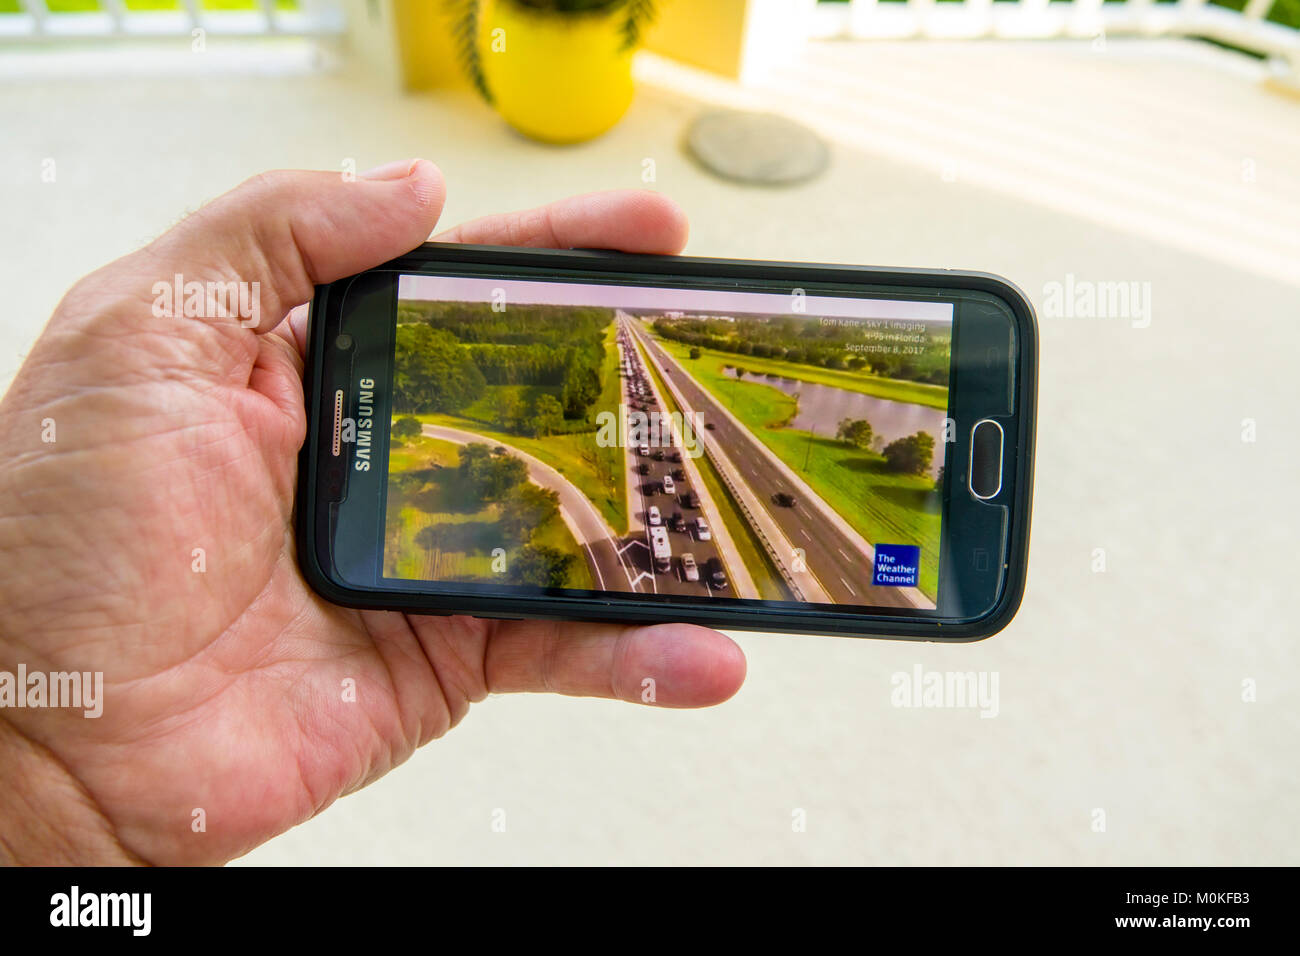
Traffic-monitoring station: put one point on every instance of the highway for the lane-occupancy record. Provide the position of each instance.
(835, 557)
(678, 511)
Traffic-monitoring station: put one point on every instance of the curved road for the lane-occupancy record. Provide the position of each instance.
(587, 525)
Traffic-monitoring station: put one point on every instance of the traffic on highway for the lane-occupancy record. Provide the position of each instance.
(814, 537)
(677, 553)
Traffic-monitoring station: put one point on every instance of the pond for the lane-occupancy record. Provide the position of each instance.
(823, 407)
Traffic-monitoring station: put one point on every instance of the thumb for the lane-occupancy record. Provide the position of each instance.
(287, 231)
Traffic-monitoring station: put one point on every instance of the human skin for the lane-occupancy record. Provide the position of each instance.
(223, 687)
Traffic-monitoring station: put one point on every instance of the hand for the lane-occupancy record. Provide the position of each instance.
(223, 688)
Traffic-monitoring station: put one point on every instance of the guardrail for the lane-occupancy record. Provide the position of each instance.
(722, 465)
(756, 526)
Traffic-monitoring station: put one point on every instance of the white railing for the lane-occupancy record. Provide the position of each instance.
(1040, 19)
(114, 20)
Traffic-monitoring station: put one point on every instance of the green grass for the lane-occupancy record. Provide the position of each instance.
(884, 506)
(749, 401)
(897, 390)
(416, 500)
(771, 586)
(612, 461)
(419, 498)
(420, 452)
(482, 409)
(555, 533)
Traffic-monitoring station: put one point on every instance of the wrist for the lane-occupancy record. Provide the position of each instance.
(46, 816)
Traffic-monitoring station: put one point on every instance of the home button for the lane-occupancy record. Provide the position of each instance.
(986, 459)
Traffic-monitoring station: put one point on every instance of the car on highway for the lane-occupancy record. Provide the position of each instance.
(675, 456)
(660, 549)
(702, 530)
(785, 499)
(658, 454)
(715, 574)
(690, 570)
(643, 468)
(691, 499)
(670, 488)
(653, 516)
(679, 474)
(643, 450)
(676, 521)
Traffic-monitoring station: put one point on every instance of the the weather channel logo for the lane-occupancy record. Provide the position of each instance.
(896, 565)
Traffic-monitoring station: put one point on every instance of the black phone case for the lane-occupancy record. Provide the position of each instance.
(818, 619)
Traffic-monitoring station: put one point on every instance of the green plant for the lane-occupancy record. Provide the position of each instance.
(406, 427)
(640, 14)
(464, 31)
(637, 16)
(856, 432)
(911, 455)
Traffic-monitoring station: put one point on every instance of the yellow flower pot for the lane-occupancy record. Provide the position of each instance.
(559, 78)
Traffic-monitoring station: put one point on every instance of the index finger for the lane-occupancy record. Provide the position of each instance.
(630, 220)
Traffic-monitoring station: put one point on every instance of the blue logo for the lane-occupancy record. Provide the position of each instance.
(897, 565)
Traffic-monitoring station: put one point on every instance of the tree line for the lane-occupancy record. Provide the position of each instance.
(810, 341)
(449, 353)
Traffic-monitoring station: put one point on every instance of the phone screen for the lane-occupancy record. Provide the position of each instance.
(701, 443)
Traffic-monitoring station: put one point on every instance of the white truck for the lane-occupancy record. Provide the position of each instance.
(661, 549)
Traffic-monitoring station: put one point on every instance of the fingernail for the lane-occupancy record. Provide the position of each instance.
(396, 170)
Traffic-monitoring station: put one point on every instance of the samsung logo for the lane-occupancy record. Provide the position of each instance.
(365, 423)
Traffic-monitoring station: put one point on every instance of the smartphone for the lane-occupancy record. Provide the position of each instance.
(589, 435)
